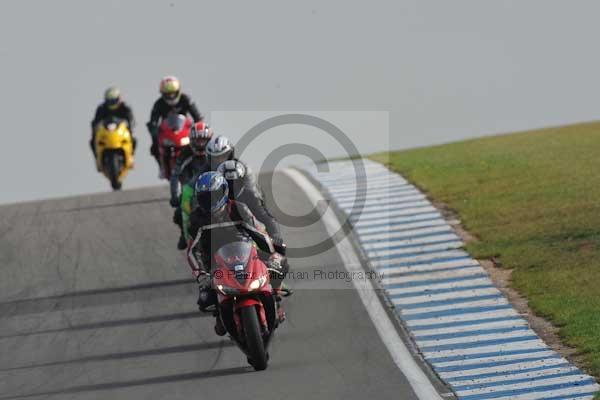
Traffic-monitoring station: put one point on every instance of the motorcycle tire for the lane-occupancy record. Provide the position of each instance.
(114, 169)
(257, 354)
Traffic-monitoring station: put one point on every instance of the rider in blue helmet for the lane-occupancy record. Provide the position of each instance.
(212, 192)
(217, 220)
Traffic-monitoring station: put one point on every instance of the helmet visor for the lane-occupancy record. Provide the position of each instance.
(212, 201)
(199, 145)
(113, 103)
(170, 95)
(171, 99)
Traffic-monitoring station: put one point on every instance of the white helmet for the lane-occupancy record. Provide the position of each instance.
(219, 150)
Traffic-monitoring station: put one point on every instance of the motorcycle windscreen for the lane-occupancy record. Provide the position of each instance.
(235, 255)
(176, 122)
(111, 123)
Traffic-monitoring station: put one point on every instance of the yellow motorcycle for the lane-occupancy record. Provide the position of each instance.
(114, 150)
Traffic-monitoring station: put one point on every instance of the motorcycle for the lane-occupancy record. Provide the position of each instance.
(245, 299)
(173, 136)
(114, 150)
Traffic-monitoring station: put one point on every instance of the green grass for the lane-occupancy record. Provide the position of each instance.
(533, 200)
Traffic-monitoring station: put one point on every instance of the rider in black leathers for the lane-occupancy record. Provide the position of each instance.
(219, 153)
(191, 162)
(112, 107)
(172, 101)
(217, 221)
(243, 187)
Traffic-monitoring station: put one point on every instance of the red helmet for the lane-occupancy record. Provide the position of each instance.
(200, 134)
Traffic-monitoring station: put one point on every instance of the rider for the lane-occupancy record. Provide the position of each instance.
(171, 101)
(243, 187)
(191, 162)
(216, 221)
(217, 150)
(112, 107)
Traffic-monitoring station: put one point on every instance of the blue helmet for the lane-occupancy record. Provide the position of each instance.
(211, 191)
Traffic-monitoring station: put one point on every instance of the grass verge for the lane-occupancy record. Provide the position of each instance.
(533, 201)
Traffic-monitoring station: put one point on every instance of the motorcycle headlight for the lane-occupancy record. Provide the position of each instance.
(258, 283)
(185, 141)
(228, 291)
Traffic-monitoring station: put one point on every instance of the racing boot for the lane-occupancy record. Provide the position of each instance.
(284, 290)
(280, 311)
(181, 243)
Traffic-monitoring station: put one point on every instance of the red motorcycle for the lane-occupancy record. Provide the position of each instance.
(173, 136)
(245, 299)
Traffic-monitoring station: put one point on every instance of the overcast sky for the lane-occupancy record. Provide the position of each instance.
(439, 70)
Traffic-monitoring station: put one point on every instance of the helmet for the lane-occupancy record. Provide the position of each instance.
(218, 150)
(112, 97)
(170, 90)
(211, 191)
(200, 134)
(234, 172)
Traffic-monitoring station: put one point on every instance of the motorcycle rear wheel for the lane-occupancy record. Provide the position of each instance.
(257, 354)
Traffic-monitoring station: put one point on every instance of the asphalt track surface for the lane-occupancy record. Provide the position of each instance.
(97, 303)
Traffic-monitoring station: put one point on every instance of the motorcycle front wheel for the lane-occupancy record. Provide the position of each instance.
(257, 354)
(113, 165)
